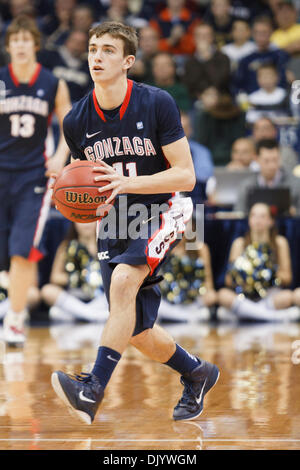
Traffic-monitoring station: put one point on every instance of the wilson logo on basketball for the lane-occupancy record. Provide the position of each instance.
(84, 198)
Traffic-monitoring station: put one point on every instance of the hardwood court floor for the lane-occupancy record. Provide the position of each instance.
(255, 404)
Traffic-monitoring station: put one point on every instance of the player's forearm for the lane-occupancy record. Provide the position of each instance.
(62, 150)
(167, 181)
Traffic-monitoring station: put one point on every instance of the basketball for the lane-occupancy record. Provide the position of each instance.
(76, 196)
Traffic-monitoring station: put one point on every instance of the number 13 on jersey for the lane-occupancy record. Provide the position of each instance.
(22, 125)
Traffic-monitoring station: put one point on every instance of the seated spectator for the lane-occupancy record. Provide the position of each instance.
(187, 288)
(56, 28)
(75, 290)
(118, 10)
(83, 17)
(241, 45)
(243, 155)
(69, 61)
(247, 10)
(208, 67)
(220, 18)
(219, 125)
(270, 175)
(264, 128)
(175, 25)
(273, 6)
(202, 160)
(164, 76)
(270, 99)
(245, 78)
(259, 273)
(16, 8)
(22, 7)
(141, 70)
(287, 35)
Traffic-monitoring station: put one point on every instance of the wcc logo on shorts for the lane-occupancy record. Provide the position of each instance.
(103, 255)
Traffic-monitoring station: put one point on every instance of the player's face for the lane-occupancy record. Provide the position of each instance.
(21, 47)
(106, 59)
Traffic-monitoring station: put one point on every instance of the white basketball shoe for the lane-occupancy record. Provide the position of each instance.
(14, 328)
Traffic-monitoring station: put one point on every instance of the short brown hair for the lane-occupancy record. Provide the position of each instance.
(269, 66)
(266, 20)
(25, 23)
(120, 31)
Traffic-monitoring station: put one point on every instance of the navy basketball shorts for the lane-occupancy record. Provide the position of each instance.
(151, 243)
(25, 203)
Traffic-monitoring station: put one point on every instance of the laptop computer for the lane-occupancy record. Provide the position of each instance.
(280, 198)
(228, 183)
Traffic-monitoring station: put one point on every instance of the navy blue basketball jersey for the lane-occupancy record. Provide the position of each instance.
(131, 140)
(25, 114)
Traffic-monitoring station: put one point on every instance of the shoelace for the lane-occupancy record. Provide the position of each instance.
(188, 396)
(83, 377)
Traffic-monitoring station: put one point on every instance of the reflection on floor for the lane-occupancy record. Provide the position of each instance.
(255, 405)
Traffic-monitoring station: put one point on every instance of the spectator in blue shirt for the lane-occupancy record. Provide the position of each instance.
(202, 160)
(266, 52)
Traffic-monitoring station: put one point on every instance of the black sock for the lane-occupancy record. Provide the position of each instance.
(182, 361)
(105, 364)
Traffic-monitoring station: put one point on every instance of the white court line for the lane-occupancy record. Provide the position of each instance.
(101, 440)
(36, 439)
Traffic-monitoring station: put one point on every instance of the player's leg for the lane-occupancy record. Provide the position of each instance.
(155, 343)
(83, 394)
(22, 276)
(4, 235)
(30, 203)
(125, 283)
(197, 375)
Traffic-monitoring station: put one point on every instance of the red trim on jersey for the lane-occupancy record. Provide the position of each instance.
(124, 104)
(97, 107)
(32, 80)
(126, 99)
(35, 75)
(12, 75)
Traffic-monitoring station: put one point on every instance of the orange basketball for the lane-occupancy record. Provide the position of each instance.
(76, 196)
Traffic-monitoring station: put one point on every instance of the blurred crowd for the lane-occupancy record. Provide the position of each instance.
(233, 68)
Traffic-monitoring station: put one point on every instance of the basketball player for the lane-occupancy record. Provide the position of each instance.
(29, 96)
(133, 134)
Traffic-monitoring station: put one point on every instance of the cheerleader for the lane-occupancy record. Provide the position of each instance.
(259, 273)
(75, 290)
(187, 288)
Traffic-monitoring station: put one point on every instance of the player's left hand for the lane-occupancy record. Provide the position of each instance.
(117, 182)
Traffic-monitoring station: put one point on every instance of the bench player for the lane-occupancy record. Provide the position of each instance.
(134, 135)
(29, 96)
